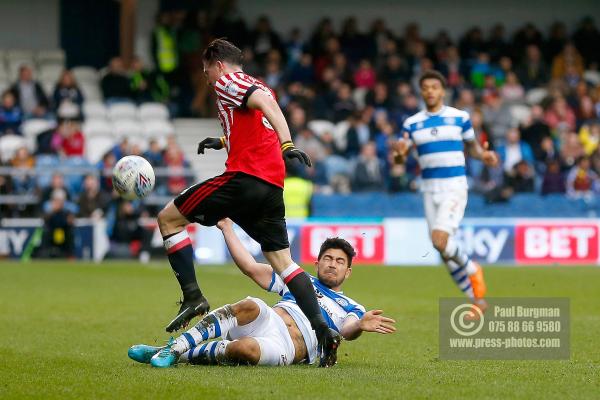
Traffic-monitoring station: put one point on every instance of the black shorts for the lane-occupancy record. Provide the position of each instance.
(255, 205)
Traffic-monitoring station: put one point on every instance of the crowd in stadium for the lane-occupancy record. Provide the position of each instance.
(535, 97)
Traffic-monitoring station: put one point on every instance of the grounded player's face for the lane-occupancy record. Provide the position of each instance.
(213, 71)
(433, 92)
(333, 268)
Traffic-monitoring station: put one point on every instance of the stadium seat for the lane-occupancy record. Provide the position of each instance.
(33, 127)
(45, 164)
(85, 74)
(140, 141)
(320, 126)
(123, 110)
(96, 127)
(126, 127)
(535, 96)
(95, 110)
(56, 57)
(97, 146)
(91, 91)
(73, 181)
(50, 72)
(9, 145)
(158, 128)
(148, 111)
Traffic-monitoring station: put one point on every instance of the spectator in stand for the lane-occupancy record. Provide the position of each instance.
(128, 238)
(589, 135)
(178, 166)
(23, 182)
(582, 181)
(359, 132)
(146, 85)
(496, 113)
(532, 72)
(554, 179)
(303, 70)
(115, 84)
(568, 63)
(365, 76)
(58, 239)
(10, 114)
(164, 48)
(68, 141)
(452, 67)
(297, 120)
(56, 184)
(92, 201)
(105, 166)
(29, 94)
(344, 105)
(512, 91)
(521, 178)
(396, 70)
(308, 142)
(570, 150)
(154, 154)
(514, 151)
(273, 74)
(378, 98)
(556, 42)
(263, 38)
(66, 89)
(480, 69)
(560, 117)
(587, 40)
(368, 173)
(535, 130)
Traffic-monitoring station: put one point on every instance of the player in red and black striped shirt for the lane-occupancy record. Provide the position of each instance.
(250, 192)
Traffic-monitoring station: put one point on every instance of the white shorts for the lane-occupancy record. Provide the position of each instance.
(271, 333)
(445, 210)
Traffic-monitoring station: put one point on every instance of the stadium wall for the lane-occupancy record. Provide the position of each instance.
(30, 24)
(432, 15)
(388, 241)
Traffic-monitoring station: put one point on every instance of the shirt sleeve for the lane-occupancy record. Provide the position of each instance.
(234, 90)
(277, 285)
(468, 133)
(406, 129)
(358, 311)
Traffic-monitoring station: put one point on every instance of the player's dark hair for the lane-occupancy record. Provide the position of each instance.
(222, 50)
(432, 74)
(338, 243)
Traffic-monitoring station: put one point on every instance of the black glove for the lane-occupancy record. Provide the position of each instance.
(211, 143)
(290, 151)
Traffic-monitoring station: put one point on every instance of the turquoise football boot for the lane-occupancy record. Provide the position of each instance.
(166, 356)
(142, 353)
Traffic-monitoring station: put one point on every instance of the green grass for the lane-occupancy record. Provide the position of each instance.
(65, 329)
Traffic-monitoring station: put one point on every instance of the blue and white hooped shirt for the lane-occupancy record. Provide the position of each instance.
(439, 140)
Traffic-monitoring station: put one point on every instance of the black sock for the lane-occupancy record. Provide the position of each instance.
(302, 290)
(181, 258)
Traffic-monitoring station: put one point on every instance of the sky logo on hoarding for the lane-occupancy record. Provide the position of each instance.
(487, 243)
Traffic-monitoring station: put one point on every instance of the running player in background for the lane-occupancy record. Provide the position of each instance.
(440, 133)
(250, 191)
(253, 333)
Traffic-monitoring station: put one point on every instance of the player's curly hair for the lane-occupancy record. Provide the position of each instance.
(338, 243)
(222, 50)
(433, 74)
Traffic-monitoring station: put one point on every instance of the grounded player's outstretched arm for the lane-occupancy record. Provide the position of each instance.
(488, 157)
(258, 272)
(372, 321)
(261, 100)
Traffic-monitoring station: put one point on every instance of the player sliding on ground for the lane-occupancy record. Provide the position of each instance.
(439, 133)
(253, 333)
(250, 192)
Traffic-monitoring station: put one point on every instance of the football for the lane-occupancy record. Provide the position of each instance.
(133, 177)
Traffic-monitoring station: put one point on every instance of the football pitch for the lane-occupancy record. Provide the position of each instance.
(66, 327)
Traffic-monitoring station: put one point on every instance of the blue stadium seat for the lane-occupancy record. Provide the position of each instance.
(45, 165)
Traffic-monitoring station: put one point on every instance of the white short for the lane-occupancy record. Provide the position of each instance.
(271, 333)
(445, 210)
